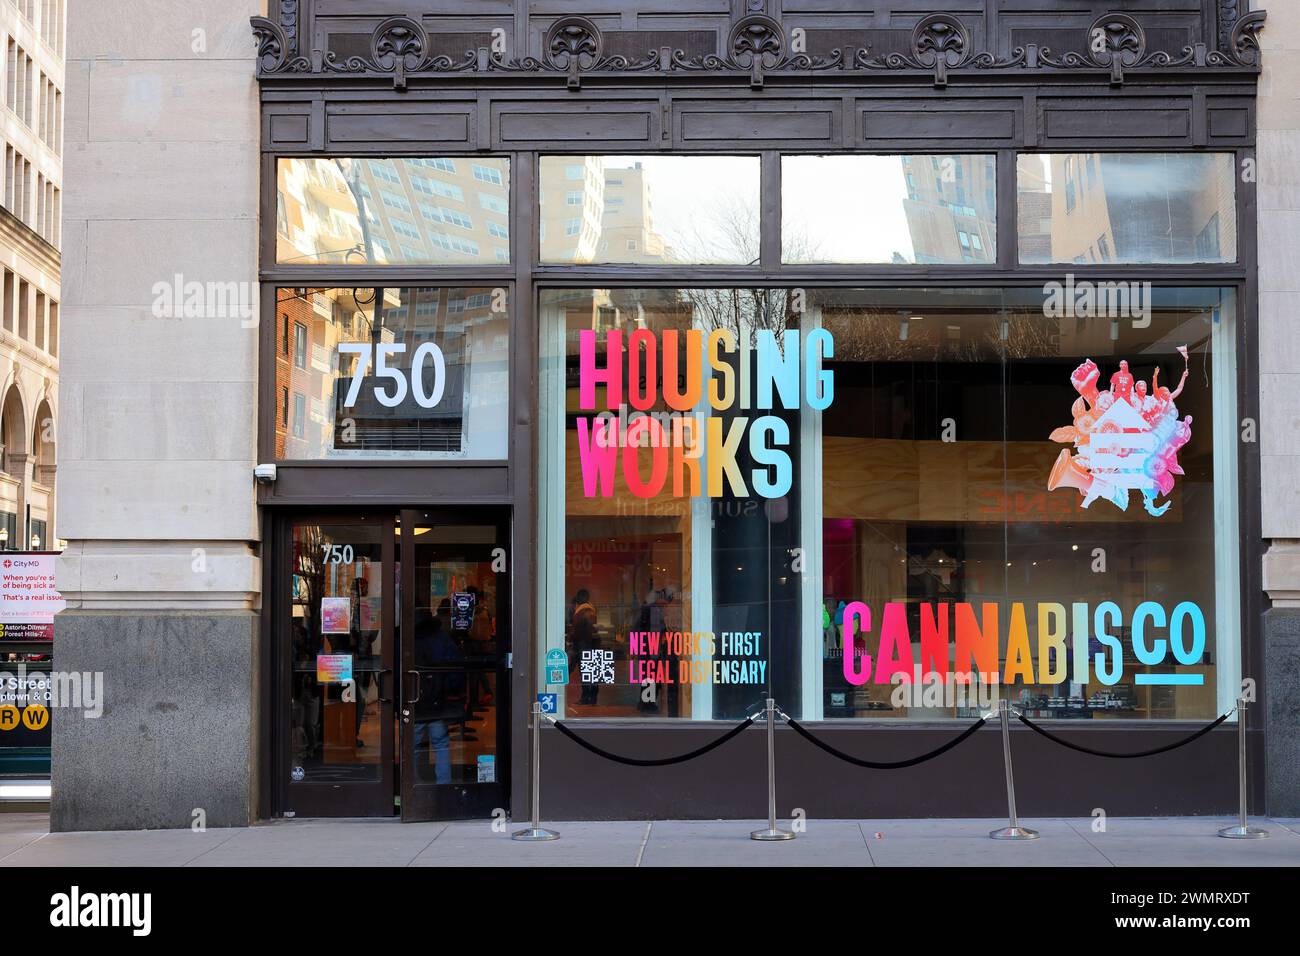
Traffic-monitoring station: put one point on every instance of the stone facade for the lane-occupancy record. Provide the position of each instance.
(161, 571)
(158, 504)
(1278, 195)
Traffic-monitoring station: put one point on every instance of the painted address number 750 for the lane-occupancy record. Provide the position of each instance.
(380, 354)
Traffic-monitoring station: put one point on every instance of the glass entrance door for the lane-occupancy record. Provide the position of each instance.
(454, 641)
(339, 618)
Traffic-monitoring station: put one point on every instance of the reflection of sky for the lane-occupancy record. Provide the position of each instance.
(1142, 178)
(693, 197)
(844, 208)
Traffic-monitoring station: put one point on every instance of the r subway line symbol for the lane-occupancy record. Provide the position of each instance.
(34, 717)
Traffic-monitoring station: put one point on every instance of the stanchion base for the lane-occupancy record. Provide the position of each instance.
(534, 835)
(1243, 833)
(1014, 833)
(771, 835)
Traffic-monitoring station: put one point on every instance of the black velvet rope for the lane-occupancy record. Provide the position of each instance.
(1102, 753)
(659, 761)
(885, 765)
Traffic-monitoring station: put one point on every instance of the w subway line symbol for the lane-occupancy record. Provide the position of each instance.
(33, 717)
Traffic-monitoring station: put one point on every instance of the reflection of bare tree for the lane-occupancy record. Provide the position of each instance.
(866, 334)
(742, 312)
(731, 233)
(870, 336)
(726, 230)
(1029, 334)
(880, 335)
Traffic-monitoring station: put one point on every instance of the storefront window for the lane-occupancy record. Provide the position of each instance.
(1126, 207)
(994, 462)
(432, 211)
(1033, 487)
(901, 209)
(649, 210)
(394, 373)
(646, 556)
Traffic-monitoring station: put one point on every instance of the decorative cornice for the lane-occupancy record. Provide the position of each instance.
(1243, 42)
(574, 46)
(274, 55)
(757, 46)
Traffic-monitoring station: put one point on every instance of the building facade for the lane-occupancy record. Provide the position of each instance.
(647, 361)
(32, 216)
(30, 303)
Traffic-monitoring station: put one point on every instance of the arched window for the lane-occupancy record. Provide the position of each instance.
(43, 439)
(12, 429)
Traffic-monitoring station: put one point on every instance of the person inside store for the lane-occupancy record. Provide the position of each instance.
(442, 693)
(654, 618)
(306, 698)
(583, 637)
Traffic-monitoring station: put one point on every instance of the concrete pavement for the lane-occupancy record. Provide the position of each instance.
(25, 841)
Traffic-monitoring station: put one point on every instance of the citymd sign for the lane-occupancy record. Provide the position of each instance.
(28, 600)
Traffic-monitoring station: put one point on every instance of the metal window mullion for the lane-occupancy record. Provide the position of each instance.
(770, 212)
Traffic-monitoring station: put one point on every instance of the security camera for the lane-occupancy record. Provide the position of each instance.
(264, 473)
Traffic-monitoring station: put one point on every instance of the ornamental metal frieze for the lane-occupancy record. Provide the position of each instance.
(757, 47)
(289, 23)
(572, 46)
(1227, 20)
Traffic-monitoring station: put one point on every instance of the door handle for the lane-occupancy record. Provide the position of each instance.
(382, 699)
(416, 683)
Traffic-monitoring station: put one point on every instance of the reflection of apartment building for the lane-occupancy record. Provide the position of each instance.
(570, 231)
(394, 211)
(313, 375)
(311, 326)
(316, 215)
(1081, 223)
(32, 176)
(627, 225)
(606, 214)
(1034, 210)
(1176, 228)
(950, 207)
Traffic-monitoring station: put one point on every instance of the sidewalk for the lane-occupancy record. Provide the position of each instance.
(25, 840)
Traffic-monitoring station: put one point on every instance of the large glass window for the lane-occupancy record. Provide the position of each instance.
(1126, 207)
(902, 209)
(394, 372)
(646, 556)
(1033, 486)
(436, 211)
(995, 461)
(649, 210)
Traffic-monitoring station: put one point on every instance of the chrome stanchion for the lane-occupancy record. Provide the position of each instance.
(771, 833)
(1014, 831)
(535, 833)
(1243, 830)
